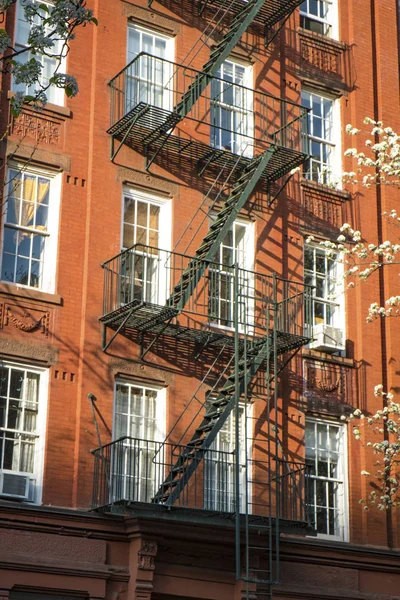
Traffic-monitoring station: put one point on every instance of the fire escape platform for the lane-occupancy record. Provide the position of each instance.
(269, 15)
(139, 316)
(143, 121)
(200, 516)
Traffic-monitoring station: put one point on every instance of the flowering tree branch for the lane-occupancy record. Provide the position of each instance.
(52, 28)
(380, 165)
(385, 424)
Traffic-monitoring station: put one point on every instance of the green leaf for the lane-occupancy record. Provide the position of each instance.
(95, 21)
(43, 7)
(68, 91)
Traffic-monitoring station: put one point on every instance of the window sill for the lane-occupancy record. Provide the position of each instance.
(325, 189)
(56, 109)
(327, 357)
(10, 289)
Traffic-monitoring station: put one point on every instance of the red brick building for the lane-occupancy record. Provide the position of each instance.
(175, 359)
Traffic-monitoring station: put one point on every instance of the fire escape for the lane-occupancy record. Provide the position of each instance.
(152, 295)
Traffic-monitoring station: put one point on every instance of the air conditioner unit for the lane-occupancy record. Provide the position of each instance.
(14, 485)
(327, 338)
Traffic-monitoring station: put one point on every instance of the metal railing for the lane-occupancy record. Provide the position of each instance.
(230, 115)
(149, 275)
(132, 470)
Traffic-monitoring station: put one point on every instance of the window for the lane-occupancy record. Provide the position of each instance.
(149, 79)
(219, 468)
(231, 109)
(323, 270)
(30, 229)
(237, 247)
(139, 417)
(143, 216)
(320, 141)
(22, 419)
(49, 61)
(325, 477)
(319, 16)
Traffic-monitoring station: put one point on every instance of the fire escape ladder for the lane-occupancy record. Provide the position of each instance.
(217, 412)
(239, 195)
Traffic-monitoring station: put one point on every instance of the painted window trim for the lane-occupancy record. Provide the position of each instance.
(332, 21)
(161, 404)
(335, 166)
(59, 94)
(170, 46)
(249, 245)
(40, 446)
(248, 84)
(345, 479)
(340, 321)
(51, 249)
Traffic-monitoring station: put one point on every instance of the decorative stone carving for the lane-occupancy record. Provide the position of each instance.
(141, 178)
(328, 387)
(39, 127)
(148, 17)
(24, 318)
(320, 207)
(323, 57)
(146, 555)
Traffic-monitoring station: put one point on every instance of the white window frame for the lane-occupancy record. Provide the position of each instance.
(248, 250)
(135, 75)
(341, 480)
(329, 24)
(327, 171)
(241, 142)
(336, 302)
(137, 448)
(51, 243)
(54, 94)
(212, 496)
(35, 478)
(160, 292)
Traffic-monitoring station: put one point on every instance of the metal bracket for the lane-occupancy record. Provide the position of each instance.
(153, 341)
(124, 137)
(106, 344)
(157, 152)
(271, 201)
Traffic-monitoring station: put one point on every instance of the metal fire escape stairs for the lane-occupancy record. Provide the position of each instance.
(249, 356)
(246, 13)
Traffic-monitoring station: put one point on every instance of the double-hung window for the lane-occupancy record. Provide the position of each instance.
(219, 467)
(146, 226)
(232, 109)
(30, 229)
(22, 418)
(49, 60)
(236, 248)
(320, 141)
(149, 77)
(139, 422)
(323, 271)
(326, 477)
(319, 16)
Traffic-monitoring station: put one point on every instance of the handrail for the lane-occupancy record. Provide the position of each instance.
(197, 72)
(210, 263)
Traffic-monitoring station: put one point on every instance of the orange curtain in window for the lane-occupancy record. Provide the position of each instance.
(32, 189)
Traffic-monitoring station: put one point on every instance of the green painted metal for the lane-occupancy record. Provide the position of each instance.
(241, 191)
(216, 415)
(219, 54)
